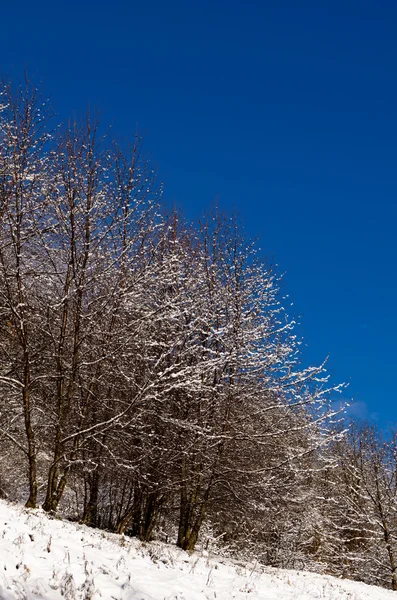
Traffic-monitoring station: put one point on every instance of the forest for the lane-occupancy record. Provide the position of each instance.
(151, 376)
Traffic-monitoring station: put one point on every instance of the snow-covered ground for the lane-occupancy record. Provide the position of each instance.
(49, 559)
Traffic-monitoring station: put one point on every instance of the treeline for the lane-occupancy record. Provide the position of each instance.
(150, 374)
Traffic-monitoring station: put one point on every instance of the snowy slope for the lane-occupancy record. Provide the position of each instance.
(49, 559)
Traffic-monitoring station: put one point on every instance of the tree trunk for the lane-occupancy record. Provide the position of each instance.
(50, 504)
(90, 516)
(152, 506)
(32, 500)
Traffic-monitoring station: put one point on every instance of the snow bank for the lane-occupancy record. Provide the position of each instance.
(49, 559)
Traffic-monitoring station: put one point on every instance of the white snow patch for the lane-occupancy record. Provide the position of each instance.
(49, 559)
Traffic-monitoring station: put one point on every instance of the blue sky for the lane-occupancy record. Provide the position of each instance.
(283, 111)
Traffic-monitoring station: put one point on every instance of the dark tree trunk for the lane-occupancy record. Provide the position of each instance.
(90, 516)
(32, 500)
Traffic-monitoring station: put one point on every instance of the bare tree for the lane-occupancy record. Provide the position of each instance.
(23, 182)
(364, 494)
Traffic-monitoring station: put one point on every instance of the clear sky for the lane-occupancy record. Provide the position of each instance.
(284, 111)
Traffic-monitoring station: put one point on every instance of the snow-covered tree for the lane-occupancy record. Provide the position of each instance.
(362, 507)
(23, 184)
